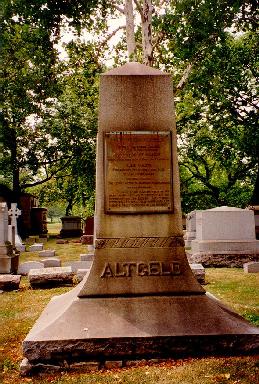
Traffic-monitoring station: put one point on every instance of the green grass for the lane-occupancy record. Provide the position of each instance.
(19, 311)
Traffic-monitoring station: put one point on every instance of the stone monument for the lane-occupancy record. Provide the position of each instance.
(14, 213)
(225, 237)
(9, 258)
(140, 299)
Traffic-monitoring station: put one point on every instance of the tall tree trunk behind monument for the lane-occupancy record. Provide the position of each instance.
(130, 37)
(255, 196)
(147, 32)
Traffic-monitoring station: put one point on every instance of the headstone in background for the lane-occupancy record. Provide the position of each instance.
(225, 237)
(199, 272)
(141, 299)
(36, 247)
(47, 253)
(251, 267)
(24, 268)
(87, 256)
(9, 257)
(75, 265)
(87, 239)
(190, 233)
(39, 221)
(9, 282)
(52, 262)
(89, 226)
(52, 276)
(26, 203)
(71, 226)
(14, 213)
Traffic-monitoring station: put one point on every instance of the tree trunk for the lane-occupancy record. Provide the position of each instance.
(69, 207)
(130, 37)
(15, 168)
(147, 32)
(255, 196)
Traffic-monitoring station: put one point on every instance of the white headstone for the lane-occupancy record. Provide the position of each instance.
(14, 213)
(24, 268)
(225, 236)
(36, 247)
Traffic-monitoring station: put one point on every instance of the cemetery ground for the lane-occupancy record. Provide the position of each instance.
(20, 309)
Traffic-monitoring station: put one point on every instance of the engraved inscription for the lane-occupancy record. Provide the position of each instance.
(131, 269)
(138, 172)
(140, 242)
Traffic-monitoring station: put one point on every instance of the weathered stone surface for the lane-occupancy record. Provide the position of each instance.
(24, 268)
(47, 253)
(36, 247)
(56, 276)
(199, 272)
(251, 267)
(9, 282)
(52, 262)
(222, 259)
(87, 256)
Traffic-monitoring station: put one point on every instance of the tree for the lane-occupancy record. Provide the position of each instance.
(37, 87)
(217, 123)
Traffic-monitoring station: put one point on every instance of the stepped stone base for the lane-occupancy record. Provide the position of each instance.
(136, 327)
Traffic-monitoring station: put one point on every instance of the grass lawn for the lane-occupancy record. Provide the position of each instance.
(19, 311)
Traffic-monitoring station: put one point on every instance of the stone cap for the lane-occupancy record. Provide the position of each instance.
(135, 69)
(226, 208)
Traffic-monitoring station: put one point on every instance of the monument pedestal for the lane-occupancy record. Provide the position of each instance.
(141, 299)
(136, 327)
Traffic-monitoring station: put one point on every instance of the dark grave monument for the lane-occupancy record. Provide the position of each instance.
(140, 299)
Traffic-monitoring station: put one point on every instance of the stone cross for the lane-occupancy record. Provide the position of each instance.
(14, 213)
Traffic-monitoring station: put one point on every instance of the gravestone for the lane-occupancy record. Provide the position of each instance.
(251, 267)
(225, 237)
(47, 253)
(71, 226)
(51, 276)
(86, 256)
(9, 282)
(51, 262)
(36, 247)
(190, 228)
(141, 299)
(75, 265)
(9, 257)
(24, 268)
(14, 213)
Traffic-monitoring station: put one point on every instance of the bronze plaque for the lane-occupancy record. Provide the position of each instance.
(138, 173)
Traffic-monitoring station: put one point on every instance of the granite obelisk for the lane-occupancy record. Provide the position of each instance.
(141, 298)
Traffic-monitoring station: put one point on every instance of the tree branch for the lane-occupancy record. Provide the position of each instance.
(139, 8)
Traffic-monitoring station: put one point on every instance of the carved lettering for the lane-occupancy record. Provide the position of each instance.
(138, 172)
(107, 271)
(131, 269)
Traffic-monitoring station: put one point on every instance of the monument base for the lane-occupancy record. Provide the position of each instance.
(227, 259)
(73, 329)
